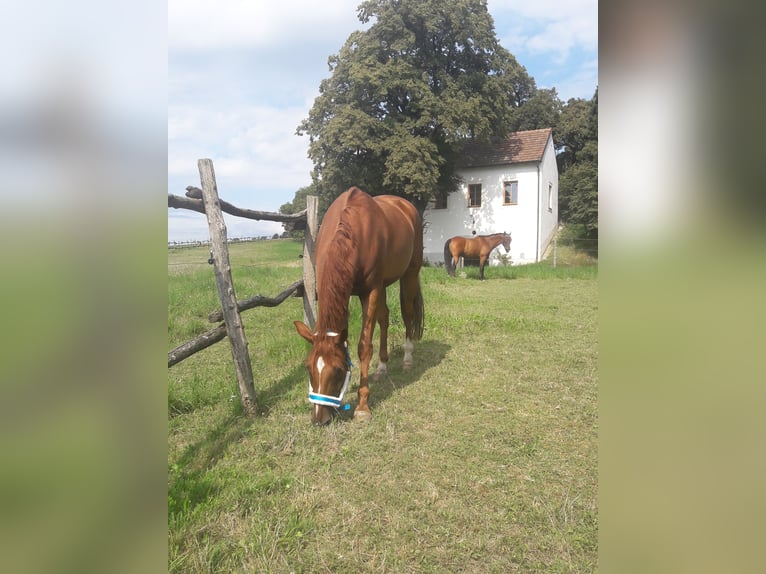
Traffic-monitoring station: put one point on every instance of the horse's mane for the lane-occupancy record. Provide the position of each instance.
(338, 275)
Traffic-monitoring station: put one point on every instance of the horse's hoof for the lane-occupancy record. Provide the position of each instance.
(407, 366)
(362, 416)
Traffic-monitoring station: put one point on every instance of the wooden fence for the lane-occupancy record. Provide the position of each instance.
(206, 201)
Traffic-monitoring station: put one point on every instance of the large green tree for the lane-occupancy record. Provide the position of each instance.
(541, 109)
(405, 93)
(578, 163)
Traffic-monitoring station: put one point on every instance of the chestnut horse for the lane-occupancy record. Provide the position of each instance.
(479, 246)
(364, 244)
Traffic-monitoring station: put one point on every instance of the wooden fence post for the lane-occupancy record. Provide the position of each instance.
(220, 253)
(309, 263)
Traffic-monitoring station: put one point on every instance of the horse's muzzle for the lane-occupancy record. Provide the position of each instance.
(321, 416)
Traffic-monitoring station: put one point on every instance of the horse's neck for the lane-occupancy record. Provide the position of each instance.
(335, 275)
(331, 322)
(496, 239)
(333, 308)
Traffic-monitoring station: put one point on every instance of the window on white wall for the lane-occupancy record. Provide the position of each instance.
(550, 196)
(474, 195)
(510, 192)
(440, 201)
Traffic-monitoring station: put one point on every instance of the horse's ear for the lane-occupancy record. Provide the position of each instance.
(304, 331)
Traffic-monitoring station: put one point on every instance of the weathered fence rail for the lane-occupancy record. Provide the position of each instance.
(206, 201)
(295, 289)
(193, 201)
(203, 341)
(216, 334)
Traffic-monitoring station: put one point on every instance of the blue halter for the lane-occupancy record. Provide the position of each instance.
(329, 400)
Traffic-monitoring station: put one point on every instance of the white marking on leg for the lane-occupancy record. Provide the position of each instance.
(382, 369)
(409, 346)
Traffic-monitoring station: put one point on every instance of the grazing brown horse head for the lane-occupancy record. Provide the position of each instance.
(480, 246)
(364, 245)
(507, 242)
(329, 368)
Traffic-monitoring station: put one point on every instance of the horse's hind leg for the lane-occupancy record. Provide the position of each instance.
(383, 351)
(482, 262)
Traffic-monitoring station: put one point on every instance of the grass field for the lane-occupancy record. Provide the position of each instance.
(482, 458)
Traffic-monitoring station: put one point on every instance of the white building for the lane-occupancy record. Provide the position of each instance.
(509, 187)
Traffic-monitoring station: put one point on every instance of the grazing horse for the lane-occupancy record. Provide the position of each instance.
(364, 244)
(479, 246)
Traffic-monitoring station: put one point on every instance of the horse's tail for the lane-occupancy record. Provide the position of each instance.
(415, 327)
(448, 259)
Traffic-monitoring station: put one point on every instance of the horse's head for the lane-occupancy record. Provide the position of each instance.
(329, 370)
(507, 242)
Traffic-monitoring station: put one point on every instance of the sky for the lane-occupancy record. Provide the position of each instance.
(243, 75)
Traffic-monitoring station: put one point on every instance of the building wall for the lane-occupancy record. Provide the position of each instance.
(522, 220)
(492, 217)
(549, 218)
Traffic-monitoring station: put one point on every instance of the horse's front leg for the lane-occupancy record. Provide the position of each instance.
(369, 316)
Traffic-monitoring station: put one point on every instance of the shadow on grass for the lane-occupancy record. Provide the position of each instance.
(271, 396)
(189, 483)
(427, 355)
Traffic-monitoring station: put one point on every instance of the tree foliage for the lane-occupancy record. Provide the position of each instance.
(541, 110)
(404, 95)
(578, 163)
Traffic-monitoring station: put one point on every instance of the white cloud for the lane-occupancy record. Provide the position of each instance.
(250, 146)
(206, 24)
(545, 9)
(546, 26)
(581, 83)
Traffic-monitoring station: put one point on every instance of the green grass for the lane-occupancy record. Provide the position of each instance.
(482, 458)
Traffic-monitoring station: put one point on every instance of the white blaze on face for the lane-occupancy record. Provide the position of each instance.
(320, 366)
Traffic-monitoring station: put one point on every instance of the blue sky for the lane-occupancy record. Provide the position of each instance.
(242, 75)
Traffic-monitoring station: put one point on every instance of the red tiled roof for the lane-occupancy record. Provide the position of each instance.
(518, 147)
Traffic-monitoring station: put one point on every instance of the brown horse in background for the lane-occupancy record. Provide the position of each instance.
(364, 244)
(479, 246)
